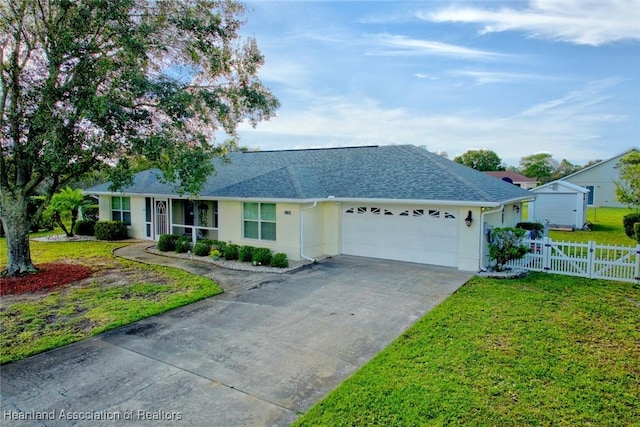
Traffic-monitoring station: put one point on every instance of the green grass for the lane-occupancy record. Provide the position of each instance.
(120, 292)
(544, 350)
(607, 228)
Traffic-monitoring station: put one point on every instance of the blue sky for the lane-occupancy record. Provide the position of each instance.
(518, 77)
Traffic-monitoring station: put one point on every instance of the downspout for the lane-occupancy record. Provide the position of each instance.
(302, 255)
(483, 234)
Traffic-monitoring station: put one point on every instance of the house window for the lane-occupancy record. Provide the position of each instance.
(590, 195)
(259, 221)
(121, 209)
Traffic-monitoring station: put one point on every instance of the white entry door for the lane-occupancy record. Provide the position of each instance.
(161, 217)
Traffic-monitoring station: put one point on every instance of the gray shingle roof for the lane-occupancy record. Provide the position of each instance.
(395, 172)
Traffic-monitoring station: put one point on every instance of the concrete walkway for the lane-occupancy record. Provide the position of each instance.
(260, 354)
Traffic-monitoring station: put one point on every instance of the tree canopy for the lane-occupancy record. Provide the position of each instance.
(92, 82)
(538, 166)
(482, 160)
(628, 183)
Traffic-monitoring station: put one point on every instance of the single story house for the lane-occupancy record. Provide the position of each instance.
(392, 202)
(560, 204)
(599, 179)
(514, 178)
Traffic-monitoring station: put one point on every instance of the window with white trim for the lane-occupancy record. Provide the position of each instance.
(259, 221)
(121, 209)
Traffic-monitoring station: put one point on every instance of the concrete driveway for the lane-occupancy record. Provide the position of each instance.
(260, 354)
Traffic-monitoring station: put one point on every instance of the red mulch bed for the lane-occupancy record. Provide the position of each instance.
(50, 276)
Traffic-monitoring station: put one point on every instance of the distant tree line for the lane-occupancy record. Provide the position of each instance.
(540, 166)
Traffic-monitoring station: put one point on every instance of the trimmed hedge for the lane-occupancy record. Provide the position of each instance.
(183, 245)
(220, 246)
(636, 230)
(231, 252)
(280, 260)
(85, 227)
(536, 228)
(202, 248)
(246, 253)
(628, 221)
(111, 230)
(262, 256)
(167, 242)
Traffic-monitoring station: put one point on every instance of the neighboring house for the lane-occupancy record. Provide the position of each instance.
(391, 202)
(599, 179)
(514, 178)
(560, 204)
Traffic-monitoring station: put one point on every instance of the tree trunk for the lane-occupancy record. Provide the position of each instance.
(16, 223)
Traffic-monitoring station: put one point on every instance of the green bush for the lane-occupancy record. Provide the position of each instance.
(91, 213)
(280, 260)
(506, 245)
(231, 251)
(536, 228)
(183, 245)
(246, 253)
(85, 227)
(167, 242)
(262, 256)
(111, 230)
(628, 221)
(636, 230)
(220, 246)
(202, 249)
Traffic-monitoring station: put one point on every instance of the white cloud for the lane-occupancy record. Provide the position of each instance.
(487, 77)
(395, 45)
(588, 22)
(569, 127)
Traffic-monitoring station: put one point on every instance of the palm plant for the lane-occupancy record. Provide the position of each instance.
(67, 200)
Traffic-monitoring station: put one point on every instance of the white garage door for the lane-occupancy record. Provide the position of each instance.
(427, 235)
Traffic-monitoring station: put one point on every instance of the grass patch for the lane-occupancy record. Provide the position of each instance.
(607, 228)
(543, 350)
(119, 293)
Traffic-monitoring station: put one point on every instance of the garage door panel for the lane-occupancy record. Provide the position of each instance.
(421, 238)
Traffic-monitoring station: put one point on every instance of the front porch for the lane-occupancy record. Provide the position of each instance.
(197, 219)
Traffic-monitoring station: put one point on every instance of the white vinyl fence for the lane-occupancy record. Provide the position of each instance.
(590, 259)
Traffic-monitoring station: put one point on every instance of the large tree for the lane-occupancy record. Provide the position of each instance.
(88, 82)
(628, 183)
(482, 160)
(538, 166)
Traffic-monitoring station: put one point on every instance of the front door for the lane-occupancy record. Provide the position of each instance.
(161, 216)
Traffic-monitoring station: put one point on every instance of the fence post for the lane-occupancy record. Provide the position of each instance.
(637, 273)
(546, 254)
(591, 259)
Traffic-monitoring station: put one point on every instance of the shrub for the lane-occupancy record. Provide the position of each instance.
(536, 229)
(183, 245)
(85, 227)
(167, 242)
(231, 251)
(628, 221)
(280, 260)
(245, 254)
(506, 245)
(111, 230)
(220, 245)
(262, 256)
(636, 230)
(91, 213)
(202, 249)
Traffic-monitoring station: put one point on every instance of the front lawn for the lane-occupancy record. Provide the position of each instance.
(543, 350)
(118, 293)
